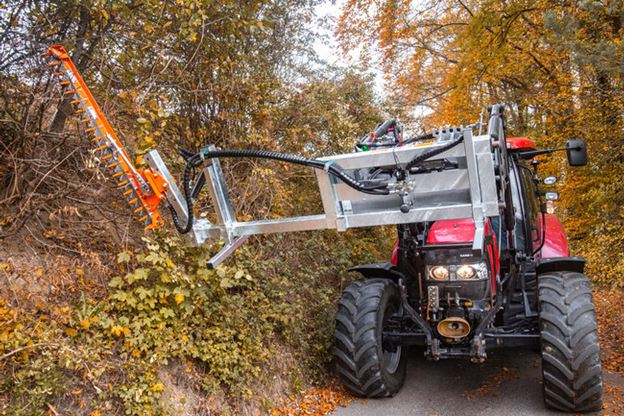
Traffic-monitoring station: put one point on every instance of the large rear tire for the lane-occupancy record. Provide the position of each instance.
(569, 343)
(367, 366)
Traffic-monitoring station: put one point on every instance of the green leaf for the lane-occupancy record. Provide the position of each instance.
(117, 281)
(167, 313)
(226, 283)
(123, 257)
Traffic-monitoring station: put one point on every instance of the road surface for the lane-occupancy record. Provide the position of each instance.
(507, 384)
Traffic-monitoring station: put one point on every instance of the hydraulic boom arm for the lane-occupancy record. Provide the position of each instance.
(387, 181)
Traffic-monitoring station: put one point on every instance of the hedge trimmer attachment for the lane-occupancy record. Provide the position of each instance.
(143, 188)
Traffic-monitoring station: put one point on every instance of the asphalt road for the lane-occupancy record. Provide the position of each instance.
(507, 384)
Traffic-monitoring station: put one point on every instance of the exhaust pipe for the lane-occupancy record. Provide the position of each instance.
(454, 327)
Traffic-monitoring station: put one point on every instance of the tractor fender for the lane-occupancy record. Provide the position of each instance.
(378, 271)
(561, 264)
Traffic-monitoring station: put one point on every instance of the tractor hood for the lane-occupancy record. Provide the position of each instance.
(452, 231)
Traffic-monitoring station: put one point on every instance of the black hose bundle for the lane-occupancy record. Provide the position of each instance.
(298, 160)
(192, 162)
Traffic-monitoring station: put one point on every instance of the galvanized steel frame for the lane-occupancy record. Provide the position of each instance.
(467, 192)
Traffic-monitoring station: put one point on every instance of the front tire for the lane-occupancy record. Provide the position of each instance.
(569, 343)
(368, 367)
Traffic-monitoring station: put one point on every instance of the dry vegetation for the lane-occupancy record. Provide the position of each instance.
(95, 320)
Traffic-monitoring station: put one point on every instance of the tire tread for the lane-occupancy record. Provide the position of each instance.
(356, 349)
(569, 342)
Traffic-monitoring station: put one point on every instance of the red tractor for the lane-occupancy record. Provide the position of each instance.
(480, 261)
(523, 289)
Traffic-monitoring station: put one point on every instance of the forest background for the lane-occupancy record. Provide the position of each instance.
(98, 317)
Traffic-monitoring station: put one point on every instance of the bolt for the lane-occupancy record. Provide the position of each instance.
(164, 185)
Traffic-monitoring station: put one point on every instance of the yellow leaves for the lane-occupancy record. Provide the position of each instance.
(157, 388)
(71, 332)
(95, 413)
(39, 272)
(118, 330)
(85, 323)
(5, 267)
(179, 298)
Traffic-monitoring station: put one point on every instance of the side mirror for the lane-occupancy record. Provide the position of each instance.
(550, 180)
(551, 196)
(576, 152)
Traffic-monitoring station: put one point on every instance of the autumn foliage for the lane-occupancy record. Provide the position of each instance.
(95, 320)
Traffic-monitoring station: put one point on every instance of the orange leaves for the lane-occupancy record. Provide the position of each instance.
(314, 402)
(609, 308)
(491, 387)
(118, 330)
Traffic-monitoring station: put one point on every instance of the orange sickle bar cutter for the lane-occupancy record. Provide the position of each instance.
(144, 188)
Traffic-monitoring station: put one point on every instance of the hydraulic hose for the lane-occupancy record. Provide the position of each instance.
(197, 159)
(426, 136)
(297, 160)
(192, 161)
(425, 156)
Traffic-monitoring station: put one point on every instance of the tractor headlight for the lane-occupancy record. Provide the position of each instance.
(439, 273)
(466, 272)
